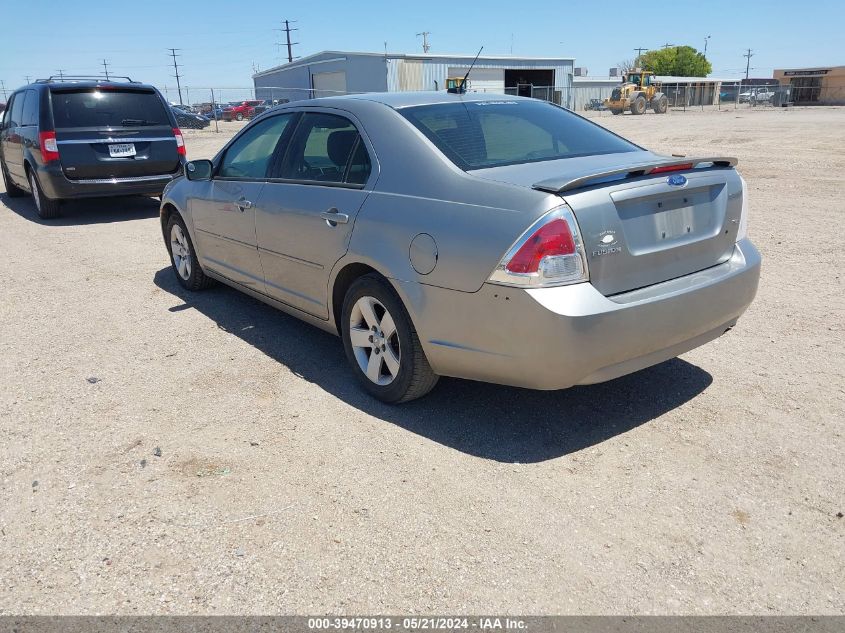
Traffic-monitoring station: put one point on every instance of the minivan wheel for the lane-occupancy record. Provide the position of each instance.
(186, 266)
(381, 343)
(12, 190)
(47, 208)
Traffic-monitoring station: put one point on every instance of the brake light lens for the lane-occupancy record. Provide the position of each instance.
(180, 141)
(49, 147)
(665, 168)
(549, 253)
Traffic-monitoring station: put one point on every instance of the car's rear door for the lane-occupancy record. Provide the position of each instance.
(11, 138)
(307, 211)
(109, 132)
(223, 209)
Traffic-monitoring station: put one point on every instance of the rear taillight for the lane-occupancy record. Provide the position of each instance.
(742, 232)
(180, 142)
(49, 147)
(550, 253)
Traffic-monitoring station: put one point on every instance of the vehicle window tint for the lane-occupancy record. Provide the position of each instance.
(359, 166)
(107, 108)
(249, 155)
(320, 149)
(16, 110)
(478, 134)
(30, 108)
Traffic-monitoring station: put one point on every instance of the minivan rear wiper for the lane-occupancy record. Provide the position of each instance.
(136, 122)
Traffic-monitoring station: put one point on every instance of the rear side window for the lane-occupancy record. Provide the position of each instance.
(16, 110)
(326, 148)
(249, 155)
(30, 109)
(479, 134)
(107, 108)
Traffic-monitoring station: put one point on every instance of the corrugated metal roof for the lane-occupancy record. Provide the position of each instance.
(414, 56)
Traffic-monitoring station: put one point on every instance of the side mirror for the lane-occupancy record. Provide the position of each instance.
(199, 170)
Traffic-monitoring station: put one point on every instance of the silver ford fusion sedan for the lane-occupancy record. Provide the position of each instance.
(484, 237)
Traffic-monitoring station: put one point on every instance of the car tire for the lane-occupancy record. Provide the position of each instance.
(239, 116)
(397, 370)
(638, 105)
(183, 256)
(46, 208)
(12, 190)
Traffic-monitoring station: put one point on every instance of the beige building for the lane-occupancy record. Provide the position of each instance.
(811, 86)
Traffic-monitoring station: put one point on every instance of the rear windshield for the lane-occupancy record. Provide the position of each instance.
(107, 108)
(478, 134)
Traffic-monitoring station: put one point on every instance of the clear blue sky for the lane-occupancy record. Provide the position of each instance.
(221, 41)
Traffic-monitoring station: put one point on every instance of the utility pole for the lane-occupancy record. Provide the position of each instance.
(426, 45)
(287, 31)
(706, 39)
(61, 73)
(668, 45)
(176, 68)
(27, 77)
(640, 52)
(748, 57)
(106, 68)
(3, 87)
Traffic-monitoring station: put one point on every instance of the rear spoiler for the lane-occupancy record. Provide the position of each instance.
(568, 183)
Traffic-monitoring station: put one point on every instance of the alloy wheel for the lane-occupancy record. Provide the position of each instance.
(375, 340)
(36, 196)
(181, 251)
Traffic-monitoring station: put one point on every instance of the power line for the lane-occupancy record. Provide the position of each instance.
(748, 57)
(287, 31)
(176, 69)
(106, 67)
(426, 45)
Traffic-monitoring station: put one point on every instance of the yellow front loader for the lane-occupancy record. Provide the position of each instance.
(637, 92)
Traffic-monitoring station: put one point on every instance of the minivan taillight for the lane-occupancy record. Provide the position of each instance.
(549, 253)
(180, 142)
(49, 147)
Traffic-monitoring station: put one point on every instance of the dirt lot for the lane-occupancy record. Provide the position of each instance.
(708, 484)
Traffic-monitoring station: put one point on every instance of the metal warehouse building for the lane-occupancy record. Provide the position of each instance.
(338, 72)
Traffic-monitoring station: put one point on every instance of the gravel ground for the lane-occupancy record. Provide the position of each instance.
(167, 453)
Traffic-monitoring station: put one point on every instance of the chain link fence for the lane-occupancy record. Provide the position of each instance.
(237, 104)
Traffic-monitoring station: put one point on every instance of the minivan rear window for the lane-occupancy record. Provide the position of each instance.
(479, 134)
(107, 108)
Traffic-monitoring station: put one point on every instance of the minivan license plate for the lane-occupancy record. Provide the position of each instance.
(122, 150)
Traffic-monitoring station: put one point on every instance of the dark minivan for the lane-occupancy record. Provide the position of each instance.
(84, 138)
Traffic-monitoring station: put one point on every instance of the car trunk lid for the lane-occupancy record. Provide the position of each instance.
(113, 133)
(642, 227)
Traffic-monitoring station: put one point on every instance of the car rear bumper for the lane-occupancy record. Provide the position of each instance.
(553, 338)
(58, 186)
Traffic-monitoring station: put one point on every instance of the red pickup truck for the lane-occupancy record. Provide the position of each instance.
(241, 111)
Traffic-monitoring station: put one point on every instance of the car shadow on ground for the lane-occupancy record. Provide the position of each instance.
(490, 421)
(89, 211)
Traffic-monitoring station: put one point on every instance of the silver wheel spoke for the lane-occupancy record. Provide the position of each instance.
(367, 312)
(388, 327)
(359, 337)
(392, 361)
(182, 268)
(187, 263)
(374, 367)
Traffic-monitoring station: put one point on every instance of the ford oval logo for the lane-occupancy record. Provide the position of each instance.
(677, 180)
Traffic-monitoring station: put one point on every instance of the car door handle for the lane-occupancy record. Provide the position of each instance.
(333, 218)
(243, 204)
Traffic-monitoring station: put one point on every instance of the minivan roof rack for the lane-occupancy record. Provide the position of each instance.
(73, 78)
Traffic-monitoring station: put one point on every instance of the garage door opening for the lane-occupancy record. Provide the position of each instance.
(529, 83)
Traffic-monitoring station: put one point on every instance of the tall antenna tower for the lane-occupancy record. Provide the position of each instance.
(426, 45)
(176, 68)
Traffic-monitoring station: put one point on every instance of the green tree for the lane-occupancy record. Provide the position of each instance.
(680, 61)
